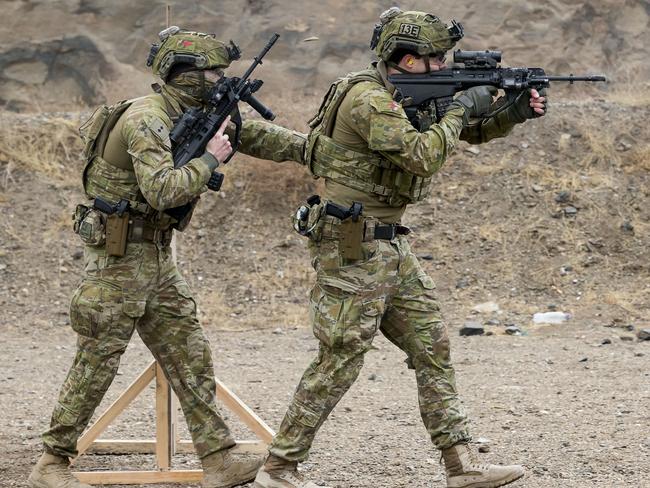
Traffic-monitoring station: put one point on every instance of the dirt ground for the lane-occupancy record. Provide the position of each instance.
(573, 411)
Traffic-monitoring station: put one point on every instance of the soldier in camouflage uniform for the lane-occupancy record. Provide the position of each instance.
(368, 279)
(139, 287)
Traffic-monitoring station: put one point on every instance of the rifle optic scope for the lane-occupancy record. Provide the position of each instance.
(464, 56)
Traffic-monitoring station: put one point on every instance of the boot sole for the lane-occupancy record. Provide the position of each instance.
(495, 484)
(238, 483)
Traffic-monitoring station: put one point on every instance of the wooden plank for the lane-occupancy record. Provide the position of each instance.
(139, 477)
(164, 438)
(141, 446)
(243, 411)
(242, 447)
(118, 406)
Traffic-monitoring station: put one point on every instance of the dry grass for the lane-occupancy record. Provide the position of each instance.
(630, 88)
(46, 146)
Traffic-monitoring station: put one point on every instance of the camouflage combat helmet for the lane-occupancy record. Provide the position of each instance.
(194, 49)
(417, 32)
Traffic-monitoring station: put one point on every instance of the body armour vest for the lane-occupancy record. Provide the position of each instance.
(107, 180)
(366, 171)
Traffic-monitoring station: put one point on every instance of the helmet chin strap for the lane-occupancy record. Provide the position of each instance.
(427, 66)
(393, 65)
(203, 90)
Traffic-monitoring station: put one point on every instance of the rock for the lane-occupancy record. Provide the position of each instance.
(551, 317)
(537, 188)
(524, 145)
(627, 338)
(627, 226)
(513, 330)
(462, 283)
(563, 196)
(583, 360)
(278, 331)
(486, 307)
(426, 257)
(493, 322)
(643, 335)
(77, 255)
(484, 448)
(372, 377)
(473, 150)
(471, 328)
(606, 341)
(570, 211)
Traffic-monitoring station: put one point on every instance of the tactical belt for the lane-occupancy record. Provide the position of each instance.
(389, 231)
(373, 230)
(142, 231)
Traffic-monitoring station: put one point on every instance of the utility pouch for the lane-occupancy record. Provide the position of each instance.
(305, 220)
(351, 237)
(79, 214)
(89, 224)
(117, 228)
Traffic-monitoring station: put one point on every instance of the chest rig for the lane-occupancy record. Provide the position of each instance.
(366, 171)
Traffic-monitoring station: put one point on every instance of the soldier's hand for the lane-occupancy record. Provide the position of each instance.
(528, 105)
(477, 100)
(219, 146)
(538, 102)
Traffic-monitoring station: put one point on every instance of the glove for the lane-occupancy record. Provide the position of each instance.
(476, 101)
(520, 110)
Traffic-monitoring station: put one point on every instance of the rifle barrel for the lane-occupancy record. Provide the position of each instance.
(258, 58)
(572, 78)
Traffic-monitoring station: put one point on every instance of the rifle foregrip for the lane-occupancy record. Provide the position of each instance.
(259, 107)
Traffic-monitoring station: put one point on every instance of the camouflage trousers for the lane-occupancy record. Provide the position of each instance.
(351, 301)
(141, 291)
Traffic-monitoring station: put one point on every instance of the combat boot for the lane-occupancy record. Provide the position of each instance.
(53, 472)
(279, 473)
(464, 470)
(222, 470)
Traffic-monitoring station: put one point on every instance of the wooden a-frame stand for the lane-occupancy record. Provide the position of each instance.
(166, 443)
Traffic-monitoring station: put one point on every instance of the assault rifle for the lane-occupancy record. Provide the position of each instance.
(191, 134)
(479, 68)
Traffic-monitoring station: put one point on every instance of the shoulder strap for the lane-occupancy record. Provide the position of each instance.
(112, 119)
(350, 81)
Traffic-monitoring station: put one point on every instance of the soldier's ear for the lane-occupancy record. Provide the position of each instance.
(409, 60)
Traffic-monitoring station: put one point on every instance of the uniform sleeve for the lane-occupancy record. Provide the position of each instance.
(146, 132)
(498, 126)
(382, 122)
(264, 140)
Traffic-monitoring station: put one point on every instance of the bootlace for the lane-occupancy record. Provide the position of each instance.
(474, 461)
